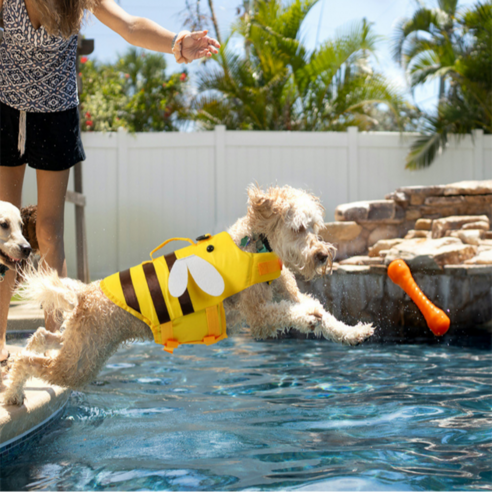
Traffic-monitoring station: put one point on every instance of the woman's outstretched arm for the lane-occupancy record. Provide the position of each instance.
(147, 34)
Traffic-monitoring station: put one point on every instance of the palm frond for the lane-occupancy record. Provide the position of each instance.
(448, 6)
(424, 150)
(422, 21)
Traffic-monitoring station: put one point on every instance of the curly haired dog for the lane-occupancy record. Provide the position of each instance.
(14, 239)
(285, 219)
(14, 250)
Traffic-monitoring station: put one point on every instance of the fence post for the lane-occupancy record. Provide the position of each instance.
(121, 184)
(478, 154)
(353, 164)
(220, 177)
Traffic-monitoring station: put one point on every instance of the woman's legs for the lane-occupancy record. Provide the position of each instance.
(52, 190)
(11, 180)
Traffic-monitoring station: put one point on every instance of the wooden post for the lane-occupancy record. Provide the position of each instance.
(85, 47)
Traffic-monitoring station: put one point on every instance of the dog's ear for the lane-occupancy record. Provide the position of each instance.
(260, 204)
(29, 217)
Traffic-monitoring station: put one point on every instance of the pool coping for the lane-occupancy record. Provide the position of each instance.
(19, 425)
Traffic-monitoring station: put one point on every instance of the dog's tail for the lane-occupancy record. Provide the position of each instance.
(44, 287)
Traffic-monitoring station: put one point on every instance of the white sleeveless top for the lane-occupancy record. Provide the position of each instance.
(37, 70)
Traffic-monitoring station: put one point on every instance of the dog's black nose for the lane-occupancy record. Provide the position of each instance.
(321, 257)
(26, 250)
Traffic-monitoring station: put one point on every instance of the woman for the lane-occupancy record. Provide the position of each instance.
(39, 121)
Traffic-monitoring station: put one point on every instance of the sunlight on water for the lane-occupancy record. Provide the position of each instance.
(296, 415)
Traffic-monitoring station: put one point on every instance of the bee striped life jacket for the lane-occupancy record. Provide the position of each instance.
(180, 295)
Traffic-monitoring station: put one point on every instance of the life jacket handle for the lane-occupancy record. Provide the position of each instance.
(168, 241)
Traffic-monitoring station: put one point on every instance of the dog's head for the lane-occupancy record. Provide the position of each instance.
(13, 245)
(291, 220)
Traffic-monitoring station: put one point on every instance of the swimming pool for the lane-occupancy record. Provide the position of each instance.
(290, 414)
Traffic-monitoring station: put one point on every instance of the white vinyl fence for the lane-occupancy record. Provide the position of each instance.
(143, 189)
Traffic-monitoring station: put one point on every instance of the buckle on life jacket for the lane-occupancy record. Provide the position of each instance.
(210, 339)
(170, 345)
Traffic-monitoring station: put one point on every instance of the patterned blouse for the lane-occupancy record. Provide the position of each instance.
(37, 70)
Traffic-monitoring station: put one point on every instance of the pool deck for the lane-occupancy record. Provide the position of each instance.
(24, 317)
(43, 402)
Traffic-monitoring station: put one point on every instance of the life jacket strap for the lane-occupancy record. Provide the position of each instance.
(213, 325)
(267, 267)
(166, 332)
(212, 313)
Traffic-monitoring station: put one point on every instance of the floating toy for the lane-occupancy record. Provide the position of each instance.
(180, 295)
(437, 320)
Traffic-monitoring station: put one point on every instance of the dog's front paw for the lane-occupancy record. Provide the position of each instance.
(315, 321)
(358, 333)
(13, 398)
(306, 319)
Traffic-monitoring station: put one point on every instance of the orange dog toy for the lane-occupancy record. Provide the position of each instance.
(437, 320)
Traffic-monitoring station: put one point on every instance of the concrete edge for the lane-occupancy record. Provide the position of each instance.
(19, 424)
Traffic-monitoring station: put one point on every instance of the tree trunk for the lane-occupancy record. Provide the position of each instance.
(214, 20)
(441, 88)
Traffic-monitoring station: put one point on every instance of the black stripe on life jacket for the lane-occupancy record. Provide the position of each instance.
(185, 299)
(129, 290)
(156, 293)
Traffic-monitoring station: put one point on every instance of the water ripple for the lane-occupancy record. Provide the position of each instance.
(280, 415)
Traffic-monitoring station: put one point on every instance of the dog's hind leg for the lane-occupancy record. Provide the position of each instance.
(42, 340)
(26, 366)
(70, 367)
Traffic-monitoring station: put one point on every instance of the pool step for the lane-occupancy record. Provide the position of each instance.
(19, 425)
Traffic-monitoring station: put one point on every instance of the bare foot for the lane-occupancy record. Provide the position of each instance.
(4, 354)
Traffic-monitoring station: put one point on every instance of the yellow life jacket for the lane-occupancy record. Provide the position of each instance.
(180, 295)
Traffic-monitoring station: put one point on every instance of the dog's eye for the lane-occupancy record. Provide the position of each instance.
(301, 229)
(4, 225)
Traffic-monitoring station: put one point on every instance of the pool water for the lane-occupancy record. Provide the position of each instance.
(289, 415)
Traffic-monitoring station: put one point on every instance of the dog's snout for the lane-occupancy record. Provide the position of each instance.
(26, 250)
(321, 257)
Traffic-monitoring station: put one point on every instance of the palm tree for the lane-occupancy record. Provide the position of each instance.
(197, 21)
(277, 84)
(467, 103)
(424, 44)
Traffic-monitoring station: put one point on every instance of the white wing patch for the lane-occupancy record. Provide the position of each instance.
(204, 274)
(178, 278)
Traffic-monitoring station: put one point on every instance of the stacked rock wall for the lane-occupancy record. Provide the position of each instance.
(414, 212)
(442, 232)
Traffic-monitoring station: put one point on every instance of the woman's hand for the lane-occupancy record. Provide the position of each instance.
(196, 45)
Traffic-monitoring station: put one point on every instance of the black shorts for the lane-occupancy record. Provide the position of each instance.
(53, 140)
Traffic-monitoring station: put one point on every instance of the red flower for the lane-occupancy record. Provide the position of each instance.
(182, 77)
(164, 85)
(88, 115)
(80, 74)
(89, 123)
(84, 59)
(127, 75)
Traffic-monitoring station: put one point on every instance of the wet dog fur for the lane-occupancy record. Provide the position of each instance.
(94, 327)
